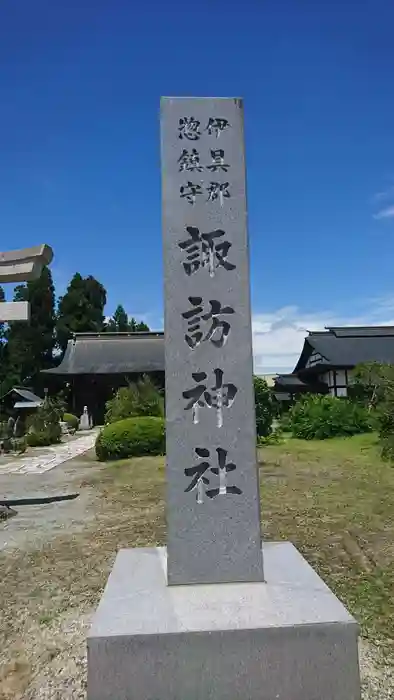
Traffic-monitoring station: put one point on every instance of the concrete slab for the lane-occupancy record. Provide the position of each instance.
(287, 638)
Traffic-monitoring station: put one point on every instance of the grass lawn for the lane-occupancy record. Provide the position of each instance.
(333, 499)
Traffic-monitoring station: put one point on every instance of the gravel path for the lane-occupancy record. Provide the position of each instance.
(52, 457)
(35, 525)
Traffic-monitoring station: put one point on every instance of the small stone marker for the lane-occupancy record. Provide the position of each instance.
(213, 505)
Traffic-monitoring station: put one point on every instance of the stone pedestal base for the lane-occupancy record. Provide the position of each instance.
(288, 639)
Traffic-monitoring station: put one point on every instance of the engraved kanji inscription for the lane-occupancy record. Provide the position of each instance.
(189, 161)
(205, 250)
(218, 190)
(216, 126)
(217, 397)
(189, 128)
(190, 191)
(218, 330)
(201, 473)
(218, 163)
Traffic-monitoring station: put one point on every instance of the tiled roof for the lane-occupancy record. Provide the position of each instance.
(112, 353)
(349, 346)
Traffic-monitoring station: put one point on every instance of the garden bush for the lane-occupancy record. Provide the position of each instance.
(265, 408)
(44, 426)
(44, 437)
(19, 445)
(320, 416)
(71, 420)
(139, 399)
(131, 437)
(386, 434)
(374, 387)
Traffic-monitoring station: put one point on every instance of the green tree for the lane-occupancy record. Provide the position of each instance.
(372, 381)
(265, 408)
(3, 349)
(139, 399)
(373, 386)
(137, 326)
(119, 323)
(81, 309)
(30, 344)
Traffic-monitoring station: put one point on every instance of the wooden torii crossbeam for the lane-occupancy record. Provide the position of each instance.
(21, 266)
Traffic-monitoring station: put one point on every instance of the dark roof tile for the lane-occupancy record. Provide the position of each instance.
(112, 353)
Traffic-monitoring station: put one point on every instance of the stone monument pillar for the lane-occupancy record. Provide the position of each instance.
(213, 502)
(201, 620)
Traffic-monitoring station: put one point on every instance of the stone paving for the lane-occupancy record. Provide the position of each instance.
(55, 455)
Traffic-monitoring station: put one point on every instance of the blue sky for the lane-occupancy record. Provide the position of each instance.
(80, 85)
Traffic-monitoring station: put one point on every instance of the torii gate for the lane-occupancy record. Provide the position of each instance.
(21, 266)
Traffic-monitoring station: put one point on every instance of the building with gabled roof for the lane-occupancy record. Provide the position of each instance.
(95, 365)
(328, 357)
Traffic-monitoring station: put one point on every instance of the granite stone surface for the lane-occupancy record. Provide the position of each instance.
(14, 311)
(213, 505)
(288, 638)
(25, 264)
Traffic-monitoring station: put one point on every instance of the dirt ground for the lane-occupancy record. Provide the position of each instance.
(55, 559)
(35, 525)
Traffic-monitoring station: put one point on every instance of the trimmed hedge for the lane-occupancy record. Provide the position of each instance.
(131, 437)
(71, 420)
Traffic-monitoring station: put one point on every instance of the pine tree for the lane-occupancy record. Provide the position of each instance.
(30, 345)
(137, 327)
(81, 309)
(119, 322)
(3, 349)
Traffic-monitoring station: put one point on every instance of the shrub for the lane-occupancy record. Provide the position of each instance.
(320, 417)
(265, 408)
(45, 424)
(19, 445)
(71, 420)
(386, 433)
(275, 438)
(285, 421)
(7, 444)
(42, 438)
(139, 399)
(131, 437)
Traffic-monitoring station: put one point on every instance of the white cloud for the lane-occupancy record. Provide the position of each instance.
(278, 336)
(387, 213)
(384, 194)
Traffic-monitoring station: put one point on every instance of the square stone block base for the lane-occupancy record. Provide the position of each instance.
(289, 638)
